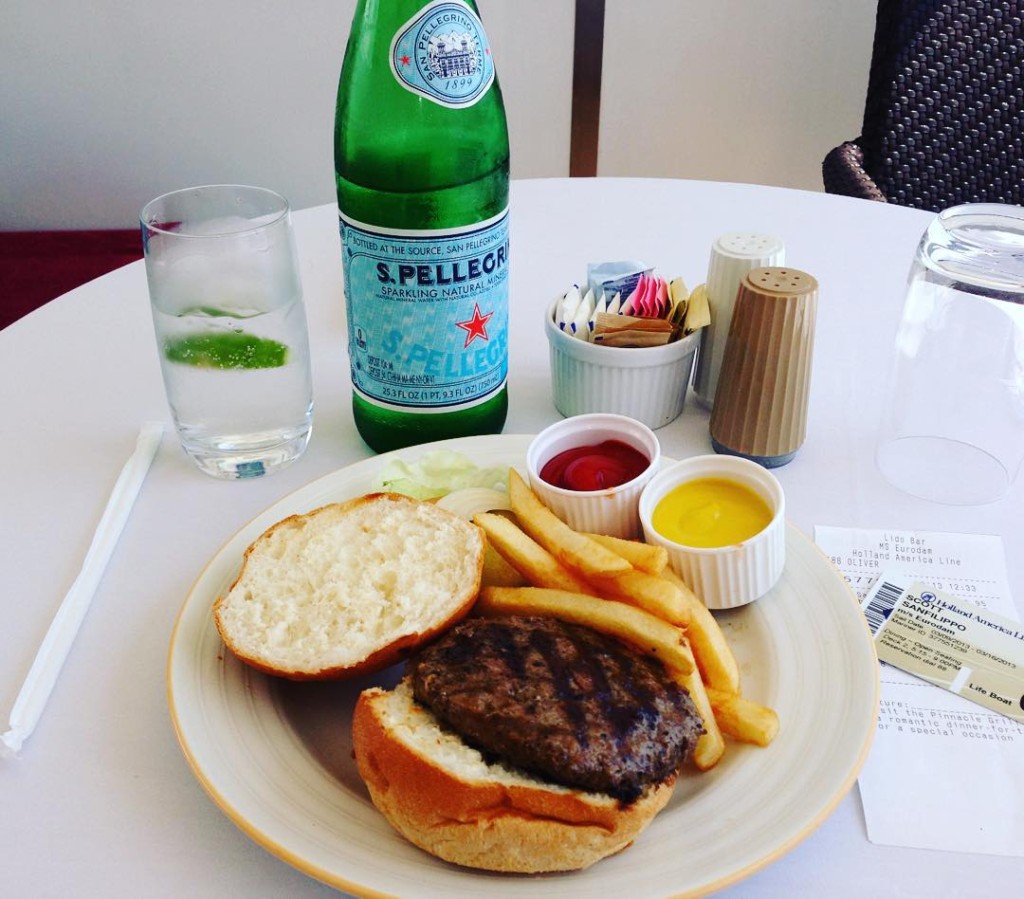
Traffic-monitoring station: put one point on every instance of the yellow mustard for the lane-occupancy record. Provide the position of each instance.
(708, 512)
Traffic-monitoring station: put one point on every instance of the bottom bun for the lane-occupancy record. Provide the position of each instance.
(442, 795)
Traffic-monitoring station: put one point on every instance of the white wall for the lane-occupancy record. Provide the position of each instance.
(732, 90)
(107, 104)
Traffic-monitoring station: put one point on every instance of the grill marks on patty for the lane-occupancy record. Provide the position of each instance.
(560, 701)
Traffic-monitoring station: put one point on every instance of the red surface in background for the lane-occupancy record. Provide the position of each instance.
(37, 266)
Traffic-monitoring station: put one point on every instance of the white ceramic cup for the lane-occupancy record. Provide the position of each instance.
(614, 510)
(645, 383)
(724, 577)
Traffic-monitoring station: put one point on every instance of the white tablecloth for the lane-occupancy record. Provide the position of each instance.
(102, 802)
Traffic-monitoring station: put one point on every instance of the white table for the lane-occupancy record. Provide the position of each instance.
(102, 802)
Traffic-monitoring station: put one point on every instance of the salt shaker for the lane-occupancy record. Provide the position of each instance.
(732, 256)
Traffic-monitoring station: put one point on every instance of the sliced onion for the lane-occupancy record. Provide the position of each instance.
(468, 501)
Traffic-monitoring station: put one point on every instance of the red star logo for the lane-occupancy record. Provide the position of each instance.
(405, 60)
(476, 326)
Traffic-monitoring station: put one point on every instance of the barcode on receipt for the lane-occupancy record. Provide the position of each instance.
(880, 604)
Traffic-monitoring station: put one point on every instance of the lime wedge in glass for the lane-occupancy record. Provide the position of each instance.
(229, 351)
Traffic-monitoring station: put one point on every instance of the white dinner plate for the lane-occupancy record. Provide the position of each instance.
(276, 756)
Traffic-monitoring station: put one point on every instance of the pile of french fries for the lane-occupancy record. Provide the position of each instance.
(626, 589)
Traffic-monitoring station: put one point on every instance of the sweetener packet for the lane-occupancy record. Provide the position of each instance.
(610, 278)
(954, 644)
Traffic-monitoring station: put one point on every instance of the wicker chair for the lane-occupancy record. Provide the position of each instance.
(944, 114)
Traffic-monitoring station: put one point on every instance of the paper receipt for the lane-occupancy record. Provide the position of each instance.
(953, 644)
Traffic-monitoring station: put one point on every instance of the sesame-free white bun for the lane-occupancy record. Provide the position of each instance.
(443, 796)
(351, 587)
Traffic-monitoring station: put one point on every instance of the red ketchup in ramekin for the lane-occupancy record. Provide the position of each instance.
(600, 466)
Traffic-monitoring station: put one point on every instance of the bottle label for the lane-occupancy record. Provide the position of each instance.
(443, 54)
(427, 313)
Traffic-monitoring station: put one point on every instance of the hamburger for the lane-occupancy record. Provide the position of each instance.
(517, 743)
(524, 744)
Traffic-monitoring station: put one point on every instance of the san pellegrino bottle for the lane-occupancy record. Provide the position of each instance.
(422, 165)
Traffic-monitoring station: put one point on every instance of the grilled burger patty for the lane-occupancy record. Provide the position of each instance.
(558, 700)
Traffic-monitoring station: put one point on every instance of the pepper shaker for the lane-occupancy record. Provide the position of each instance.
(760, 409)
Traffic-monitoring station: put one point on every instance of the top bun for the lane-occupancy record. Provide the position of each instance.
(350, 588)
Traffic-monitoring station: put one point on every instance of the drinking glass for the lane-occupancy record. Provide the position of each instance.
(230, 326)
(953, 426)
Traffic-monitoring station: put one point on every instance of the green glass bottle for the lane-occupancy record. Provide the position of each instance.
(422, 166)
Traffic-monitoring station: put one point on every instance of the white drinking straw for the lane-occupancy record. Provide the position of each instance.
(53, 651)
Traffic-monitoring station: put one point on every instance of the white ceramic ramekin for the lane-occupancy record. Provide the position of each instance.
(613, 511)
(645, 383)
(727, 576)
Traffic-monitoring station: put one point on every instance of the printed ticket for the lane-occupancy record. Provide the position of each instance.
(946, 641)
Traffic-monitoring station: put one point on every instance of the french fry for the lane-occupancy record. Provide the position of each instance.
(525, 555)
(645, 556)
(654, 594)
(643, 631)
(711, 744)
(541, 569)
(572, 549)
(499, 573)
(715, 660)
(743, 719)
(691, 598)
(712, 652)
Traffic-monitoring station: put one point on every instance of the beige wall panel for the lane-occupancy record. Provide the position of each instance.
(733, 90)
(107, 104)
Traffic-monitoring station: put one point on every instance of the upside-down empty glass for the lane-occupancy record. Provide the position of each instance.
(230, 326)
(953, 425)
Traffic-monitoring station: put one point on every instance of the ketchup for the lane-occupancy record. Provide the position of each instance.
(598, 467)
